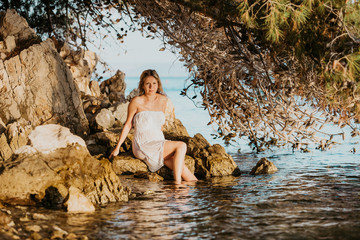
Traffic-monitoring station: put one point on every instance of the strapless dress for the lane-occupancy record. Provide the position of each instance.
(148, 142)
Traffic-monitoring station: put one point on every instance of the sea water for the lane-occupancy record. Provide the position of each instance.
(313, 195)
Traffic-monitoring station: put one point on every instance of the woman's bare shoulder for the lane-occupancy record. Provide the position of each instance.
(137, 100)
(163, 97)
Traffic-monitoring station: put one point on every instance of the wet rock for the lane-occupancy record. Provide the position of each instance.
(210, 160)
(263, 166)
(153, 177)
(40, 177)
(78, 202)
(58, 233)
(167, 174)
(114, 87)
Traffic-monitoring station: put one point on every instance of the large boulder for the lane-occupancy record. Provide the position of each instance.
(36, 84)
(43, 174)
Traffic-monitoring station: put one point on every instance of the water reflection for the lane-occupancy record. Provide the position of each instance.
(310, 197)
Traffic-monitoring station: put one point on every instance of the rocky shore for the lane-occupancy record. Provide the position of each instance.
(57, 128)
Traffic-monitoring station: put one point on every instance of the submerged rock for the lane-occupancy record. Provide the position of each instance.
(263, 166)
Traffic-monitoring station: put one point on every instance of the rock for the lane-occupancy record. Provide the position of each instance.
(78, 202)
(105, 119)
(94, 88)
(210, 161)
(36, 85)
(48, 138)
(14, 25)
(172, 124)
(104, 143)
(167, 174)
(263, 166)
(5, 150)
(65, 50)
(132, 94)
(81, 64)
(39, 216)
(35, 236)
(58, 233)
(41, 177)
(33, 228)
(153, 177)
(17, 133)
(114, 87)
(5, 218)
(10, 43)
(91, 58)
(128, 164)
(120, 112)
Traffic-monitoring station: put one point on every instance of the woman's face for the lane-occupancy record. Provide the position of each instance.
(150, 85)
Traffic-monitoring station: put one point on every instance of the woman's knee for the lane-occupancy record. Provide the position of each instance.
(181, 146)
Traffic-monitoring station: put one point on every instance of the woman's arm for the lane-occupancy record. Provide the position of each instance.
(132, 109)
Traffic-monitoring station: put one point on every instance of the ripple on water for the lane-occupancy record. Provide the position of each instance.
(312, 196)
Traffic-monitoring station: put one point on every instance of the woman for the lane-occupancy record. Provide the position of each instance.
(146, 115)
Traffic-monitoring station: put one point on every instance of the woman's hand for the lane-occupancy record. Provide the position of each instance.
(114, 153)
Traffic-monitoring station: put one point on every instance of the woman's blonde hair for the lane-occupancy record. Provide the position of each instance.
(148, 73)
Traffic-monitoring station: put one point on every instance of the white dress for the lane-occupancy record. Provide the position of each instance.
(148, 142)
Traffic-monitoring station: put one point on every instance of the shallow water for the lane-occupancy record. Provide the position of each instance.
(308, 198)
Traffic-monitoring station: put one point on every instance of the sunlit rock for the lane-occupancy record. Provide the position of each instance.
(263, 166)
(128, 164)
(48, 138)
(36, 84)
(40, 176)
(78, 202)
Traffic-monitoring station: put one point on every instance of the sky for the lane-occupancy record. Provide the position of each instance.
(138, 53)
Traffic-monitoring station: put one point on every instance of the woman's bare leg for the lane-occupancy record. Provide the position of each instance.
(186, 174)
(174, 156)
